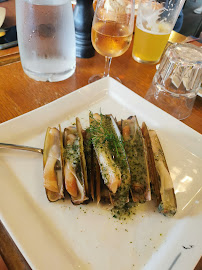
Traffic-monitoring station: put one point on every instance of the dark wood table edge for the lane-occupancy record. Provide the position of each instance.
(10, 253)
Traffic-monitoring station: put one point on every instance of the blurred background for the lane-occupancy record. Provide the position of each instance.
(192, 22)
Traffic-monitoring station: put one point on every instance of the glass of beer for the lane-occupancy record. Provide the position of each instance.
(155, 21)
(112, 30)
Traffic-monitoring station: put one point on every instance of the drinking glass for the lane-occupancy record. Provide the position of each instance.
(155, 21)
(112, 30)
(177, 81)
(46, 38)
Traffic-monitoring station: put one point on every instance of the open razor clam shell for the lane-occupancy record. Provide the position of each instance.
(101, 190)
(88, 150)
(53, 164)
(137, 158)
(111, 156)
(105, 196)
(167, 204)
(97, 179)
(98, 190)
(121, 197)
(153, 174)
(73, 171)
(82, 154)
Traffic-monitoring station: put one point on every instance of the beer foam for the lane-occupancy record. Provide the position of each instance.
(149, 19)
(159, 29)
(118, 6)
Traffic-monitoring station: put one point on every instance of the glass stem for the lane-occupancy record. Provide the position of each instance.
(108, 61)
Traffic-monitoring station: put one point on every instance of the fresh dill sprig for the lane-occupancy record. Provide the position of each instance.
(100, 133)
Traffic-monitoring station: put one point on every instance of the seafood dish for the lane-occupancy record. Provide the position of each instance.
(75, 176)
(53, 164)
(111, 156)
(137, 158)
(109, 161)
(161, 182)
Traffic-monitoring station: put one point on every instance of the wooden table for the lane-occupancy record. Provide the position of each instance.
(20, 94)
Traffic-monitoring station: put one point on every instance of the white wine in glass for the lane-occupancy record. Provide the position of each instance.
(112, 30)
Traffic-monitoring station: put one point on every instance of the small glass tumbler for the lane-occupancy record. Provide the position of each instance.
(178, 79)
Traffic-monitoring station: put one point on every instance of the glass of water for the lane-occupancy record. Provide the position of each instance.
(46, 38)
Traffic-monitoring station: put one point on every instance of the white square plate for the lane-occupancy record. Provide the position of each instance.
(63, 236)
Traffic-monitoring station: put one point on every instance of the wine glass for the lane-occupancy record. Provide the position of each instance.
(112, 30)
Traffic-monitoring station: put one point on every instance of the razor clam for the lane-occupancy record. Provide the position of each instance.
(102, 191)
(168, 204)
(111, 156)
(88, 150)
(97, 180)
(137, 158)
(153, 174)
(105, 196)
(73, 171)
(52, 158)
(82, 154)
(99, 190)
